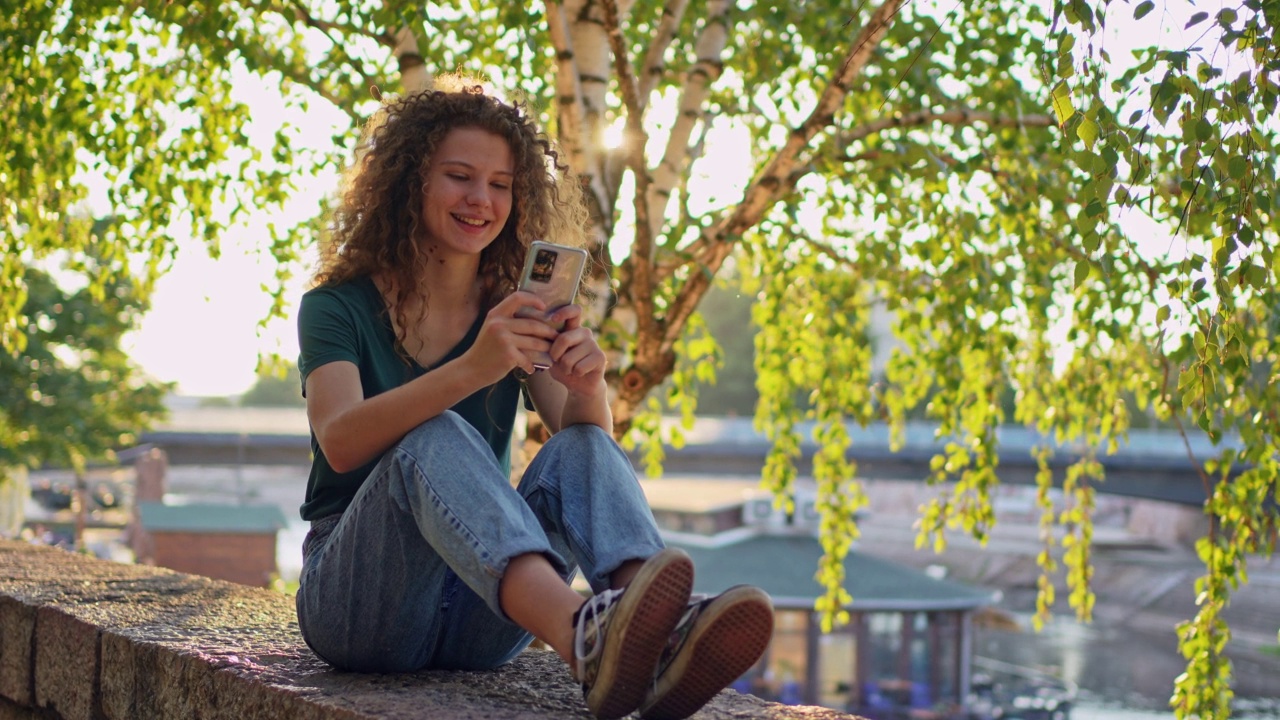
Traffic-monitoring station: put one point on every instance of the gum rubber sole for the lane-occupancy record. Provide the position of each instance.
(638, 630)
(727, 639)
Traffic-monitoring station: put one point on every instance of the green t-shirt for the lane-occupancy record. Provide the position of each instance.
(350, 322)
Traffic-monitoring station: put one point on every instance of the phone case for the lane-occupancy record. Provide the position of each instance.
(553, 273)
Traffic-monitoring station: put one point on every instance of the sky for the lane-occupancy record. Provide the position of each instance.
(203, 331)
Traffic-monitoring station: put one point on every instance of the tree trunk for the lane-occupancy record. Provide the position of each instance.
(14, 491)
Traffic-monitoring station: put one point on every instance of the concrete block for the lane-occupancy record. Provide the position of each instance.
(117, 677)
(145, 660)
(146, 679)
(84, 639)
(241, 697)
(17, 640)
(66, 662)
(13, 711)
(185, 689)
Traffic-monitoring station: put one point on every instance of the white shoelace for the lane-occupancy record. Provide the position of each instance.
(595, 607)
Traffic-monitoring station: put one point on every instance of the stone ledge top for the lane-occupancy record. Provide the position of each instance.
(87, 638)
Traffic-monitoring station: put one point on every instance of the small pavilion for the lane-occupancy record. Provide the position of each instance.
(907, 646)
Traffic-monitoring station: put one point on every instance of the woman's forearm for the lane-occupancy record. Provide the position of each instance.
(363, 431)
(591, 409)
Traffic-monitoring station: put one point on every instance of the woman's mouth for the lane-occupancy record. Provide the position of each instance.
(473, 222)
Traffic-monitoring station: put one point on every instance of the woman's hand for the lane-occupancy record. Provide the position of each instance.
(572, 391)
(506, 342)
(578, 362)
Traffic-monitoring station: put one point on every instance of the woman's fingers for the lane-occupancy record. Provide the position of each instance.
(577, 352)
(567, 317)
(520, 323)
(508, 342)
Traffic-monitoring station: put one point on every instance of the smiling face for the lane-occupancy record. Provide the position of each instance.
(467, 196)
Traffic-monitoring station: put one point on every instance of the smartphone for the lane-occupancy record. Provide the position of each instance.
(553, 273)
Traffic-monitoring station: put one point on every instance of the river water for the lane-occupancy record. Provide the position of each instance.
(1120, 674)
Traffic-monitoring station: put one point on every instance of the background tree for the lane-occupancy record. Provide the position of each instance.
(731, 390)
(72, 395)
(275, 387)
(1035, 214)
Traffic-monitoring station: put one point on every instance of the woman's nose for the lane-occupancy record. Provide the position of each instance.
(478, 196)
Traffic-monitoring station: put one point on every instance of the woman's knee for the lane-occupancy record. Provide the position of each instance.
(581, 434)
(445, 438)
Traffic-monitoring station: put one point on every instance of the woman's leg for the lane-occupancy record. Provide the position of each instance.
(435, 519)
(592, 509)
(585, 493)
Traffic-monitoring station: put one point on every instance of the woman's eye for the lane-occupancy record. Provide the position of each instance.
(501, 186)
(457, 176)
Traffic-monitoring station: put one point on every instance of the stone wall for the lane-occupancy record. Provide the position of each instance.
(86, 639)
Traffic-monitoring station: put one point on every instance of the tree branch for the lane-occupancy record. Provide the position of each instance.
(414, 75)
(825, 249)
(650, 72)
(706, 69)
(641, 263)
(568, 90)
(663, 34)
(583, 69)
(711, 249)
(300, 13)
(295, 11)
(959, 116)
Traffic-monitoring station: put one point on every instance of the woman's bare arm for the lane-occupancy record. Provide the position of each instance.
(353, 430)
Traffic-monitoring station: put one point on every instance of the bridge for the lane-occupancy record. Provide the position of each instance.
(1152, 464)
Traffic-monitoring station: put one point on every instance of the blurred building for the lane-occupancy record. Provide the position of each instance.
(228, 542)
(907, 647)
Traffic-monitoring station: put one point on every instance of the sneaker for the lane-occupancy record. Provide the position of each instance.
(620, 634)
(717, 640)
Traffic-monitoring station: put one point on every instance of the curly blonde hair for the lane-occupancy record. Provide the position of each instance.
(377, 230)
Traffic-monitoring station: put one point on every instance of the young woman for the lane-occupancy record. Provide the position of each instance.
(421, 553)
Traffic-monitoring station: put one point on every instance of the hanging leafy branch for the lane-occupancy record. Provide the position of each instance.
(1188, 134)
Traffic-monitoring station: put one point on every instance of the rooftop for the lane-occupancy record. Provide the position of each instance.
(783, 566)
(211, 518)
(700, 493)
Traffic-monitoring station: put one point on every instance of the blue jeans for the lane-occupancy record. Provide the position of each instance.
(407, 577)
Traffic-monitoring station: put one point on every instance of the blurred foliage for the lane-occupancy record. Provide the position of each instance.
(72, 395)
(727, 313)
(275, 387)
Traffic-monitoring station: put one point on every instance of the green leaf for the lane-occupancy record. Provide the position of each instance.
(1062, 105)
(1196, 19)
(1204, 130)
(1081, 273)
(1088, 131)
(1237, 166)
(1143, 8)
(1257, 277)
